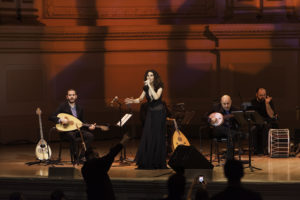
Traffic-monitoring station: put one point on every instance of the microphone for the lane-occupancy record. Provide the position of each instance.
(116, 98)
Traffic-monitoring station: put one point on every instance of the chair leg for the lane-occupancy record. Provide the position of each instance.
(211, 150)
(59, 151)
(218, 153)
(72, 154)
(78, 153)
(240, 147)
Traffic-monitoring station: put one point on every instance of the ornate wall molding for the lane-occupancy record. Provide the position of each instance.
(82, 33)
(55, 9)
(145, 38)
(263, 10)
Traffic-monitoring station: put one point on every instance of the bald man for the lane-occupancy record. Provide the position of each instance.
(229, 127)
(263, 104)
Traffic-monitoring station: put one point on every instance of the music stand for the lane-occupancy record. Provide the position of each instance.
(188, 116)
(121, 123)
(247, 118)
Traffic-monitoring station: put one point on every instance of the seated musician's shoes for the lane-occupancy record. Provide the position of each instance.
(81, 155)
(259, 153)
(81, 161)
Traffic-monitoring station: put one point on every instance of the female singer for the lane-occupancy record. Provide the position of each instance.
(151, 153)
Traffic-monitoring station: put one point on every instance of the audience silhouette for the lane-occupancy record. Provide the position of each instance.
(201, 194)
(95, 169)
(176, 185)
(234, 171)
(58, 195)
(16, 196)
(201, 191)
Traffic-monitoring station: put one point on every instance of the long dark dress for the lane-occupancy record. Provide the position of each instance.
(151, 153)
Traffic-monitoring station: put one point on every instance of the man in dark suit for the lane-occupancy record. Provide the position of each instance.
(72, 108)
(229, 128)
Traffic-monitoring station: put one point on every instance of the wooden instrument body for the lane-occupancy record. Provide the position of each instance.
(178, 137)
(42, 150)
(74, 124)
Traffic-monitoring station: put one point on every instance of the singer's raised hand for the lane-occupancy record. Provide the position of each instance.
(129, 100)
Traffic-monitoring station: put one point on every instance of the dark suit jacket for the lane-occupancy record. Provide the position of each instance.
(65, 108)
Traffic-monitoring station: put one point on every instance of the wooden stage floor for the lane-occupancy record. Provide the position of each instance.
(13, 161)
(14, 157)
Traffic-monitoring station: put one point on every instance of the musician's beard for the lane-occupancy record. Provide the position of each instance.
(261, 100)
(71, 101)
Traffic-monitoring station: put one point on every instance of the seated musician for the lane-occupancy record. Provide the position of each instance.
(227, 129)
(72, 108)
(263, 104)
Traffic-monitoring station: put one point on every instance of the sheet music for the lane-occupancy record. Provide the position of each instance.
(124, 119)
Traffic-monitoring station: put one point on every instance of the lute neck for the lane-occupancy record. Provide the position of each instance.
(41, 129)
(87, 125)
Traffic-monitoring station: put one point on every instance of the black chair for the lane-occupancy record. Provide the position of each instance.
(214, 145)
(73, 157)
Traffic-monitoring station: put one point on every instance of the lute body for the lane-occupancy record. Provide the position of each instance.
(178, 137)
(74, 123)
(42, 150)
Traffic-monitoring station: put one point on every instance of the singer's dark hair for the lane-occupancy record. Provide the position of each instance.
(157, 80)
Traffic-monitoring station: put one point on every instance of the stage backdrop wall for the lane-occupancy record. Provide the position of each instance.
(202, 49)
